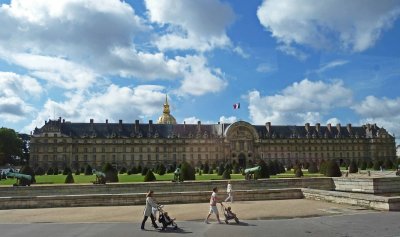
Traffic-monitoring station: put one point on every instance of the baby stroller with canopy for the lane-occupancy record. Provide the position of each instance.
(165, 219)
(229, 215)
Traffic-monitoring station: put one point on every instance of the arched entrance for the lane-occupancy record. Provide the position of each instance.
(242, 160)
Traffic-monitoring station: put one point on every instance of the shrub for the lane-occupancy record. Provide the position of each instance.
(388, 164)
(264, 172)
(299, 173)
(289, 167)
(312, 168)
(236, 169)
(138, 169)
(144, 170)
(322, 167)
(50, 171)
(370, 164)
(206, 168)
(226, 174)
(271, 167)
(77, 171)
(111, 173)
(187, 171)
(353, 168)
(170, 169)
(149, 176)
(332, 169)
(88, 170)
(221, 169)
(69, 179)
(376, 165)
(363, 165)
(82, 169)
(161, 169)
(122, 170)
(39, 171)
(67, 170)
(55, 171)
(29, 171)
(281, 168)
(211, 171)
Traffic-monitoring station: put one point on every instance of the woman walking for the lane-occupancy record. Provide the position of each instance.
(213, 206)
(150, 203)
(229, 192)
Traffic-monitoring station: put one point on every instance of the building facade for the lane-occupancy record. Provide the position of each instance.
(60, 143)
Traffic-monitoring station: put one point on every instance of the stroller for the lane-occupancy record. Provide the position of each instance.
(229, 215)
(165, 220)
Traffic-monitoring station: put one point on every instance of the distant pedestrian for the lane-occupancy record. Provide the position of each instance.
(150, 203)
(213, 206)
(229, 192)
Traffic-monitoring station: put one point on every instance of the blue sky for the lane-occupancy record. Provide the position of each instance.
(285, 61)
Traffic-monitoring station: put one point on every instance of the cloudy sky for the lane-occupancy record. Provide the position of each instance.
(284, 61)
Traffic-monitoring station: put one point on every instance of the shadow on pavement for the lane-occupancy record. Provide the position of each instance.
(177, 231)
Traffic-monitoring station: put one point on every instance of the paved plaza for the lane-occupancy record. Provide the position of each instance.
(258, 218)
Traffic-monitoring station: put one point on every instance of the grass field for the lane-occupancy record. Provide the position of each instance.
(124, 178)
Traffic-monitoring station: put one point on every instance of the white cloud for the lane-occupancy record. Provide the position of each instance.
(266, 68)
(14, 93)
(115, 103)
(198, 78)
(230, 119)
(191, 120)
(304, 101)
(196, 24)
(333, 121)
(330, 65)
(382, 111)
(331, 24)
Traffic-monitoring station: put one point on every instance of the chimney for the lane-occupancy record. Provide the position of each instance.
(59, 119)
(369, 126)
(91, 121)
(329, 126)
(219, 122)
(106, 121)
(307, 126)
(63, 120)
(150, 125)
(136, 126)
(349, 127)
(268, 126)
(198, 126)
(317, 127)
(120, 122)
(338, 127)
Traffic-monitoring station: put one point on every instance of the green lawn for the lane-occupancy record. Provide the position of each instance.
(124, 178)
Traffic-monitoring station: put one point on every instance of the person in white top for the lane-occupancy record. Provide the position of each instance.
(213, 206)
(229, 192)
(150, 203)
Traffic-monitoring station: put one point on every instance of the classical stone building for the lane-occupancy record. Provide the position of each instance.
(61, 143)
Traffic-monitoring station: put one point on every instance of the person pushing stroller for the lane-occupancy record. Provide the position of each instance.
(229, 215)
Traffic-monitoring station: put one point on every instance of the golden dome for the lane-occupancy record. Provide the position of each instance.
(166, 117)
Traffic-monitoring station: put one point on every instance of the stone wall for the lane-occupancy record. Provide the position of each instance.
(357, 199)
(187, 186)
(139, 198)
(368, 185)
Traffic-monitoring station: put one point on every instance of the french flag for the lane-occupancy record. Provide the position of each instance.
(236, 106)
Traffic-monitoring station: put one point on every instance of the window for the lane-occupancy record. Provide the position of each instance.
(94, 149)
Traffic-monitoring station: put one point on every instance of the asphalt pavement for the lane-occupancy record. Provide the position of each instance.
(380, 224)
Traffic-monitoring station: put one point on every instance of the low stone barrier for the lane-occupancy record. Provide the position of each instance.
(127, 199)
(187, 186)
(368, 185)
(358, 199)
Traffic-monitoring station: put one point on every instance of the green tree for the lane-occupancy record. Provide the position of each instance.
(144, 170)
(122, 170)
(264, 172)
(221, 169)
(50, 171)
(272, 168)
(88, 170)
(206, 168)
(10, 146)
(162, 169)
(388, 164)
(376, 164)
(69, 179)
(353, 168)
(312, 168)
(111, 173)
(332, 169)
(322, 167)
(67, 170)
(26, 169)
(298, 173)
(363, 165)
(187, 171)
(226, 174)
(39, 171)
(149, 176)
